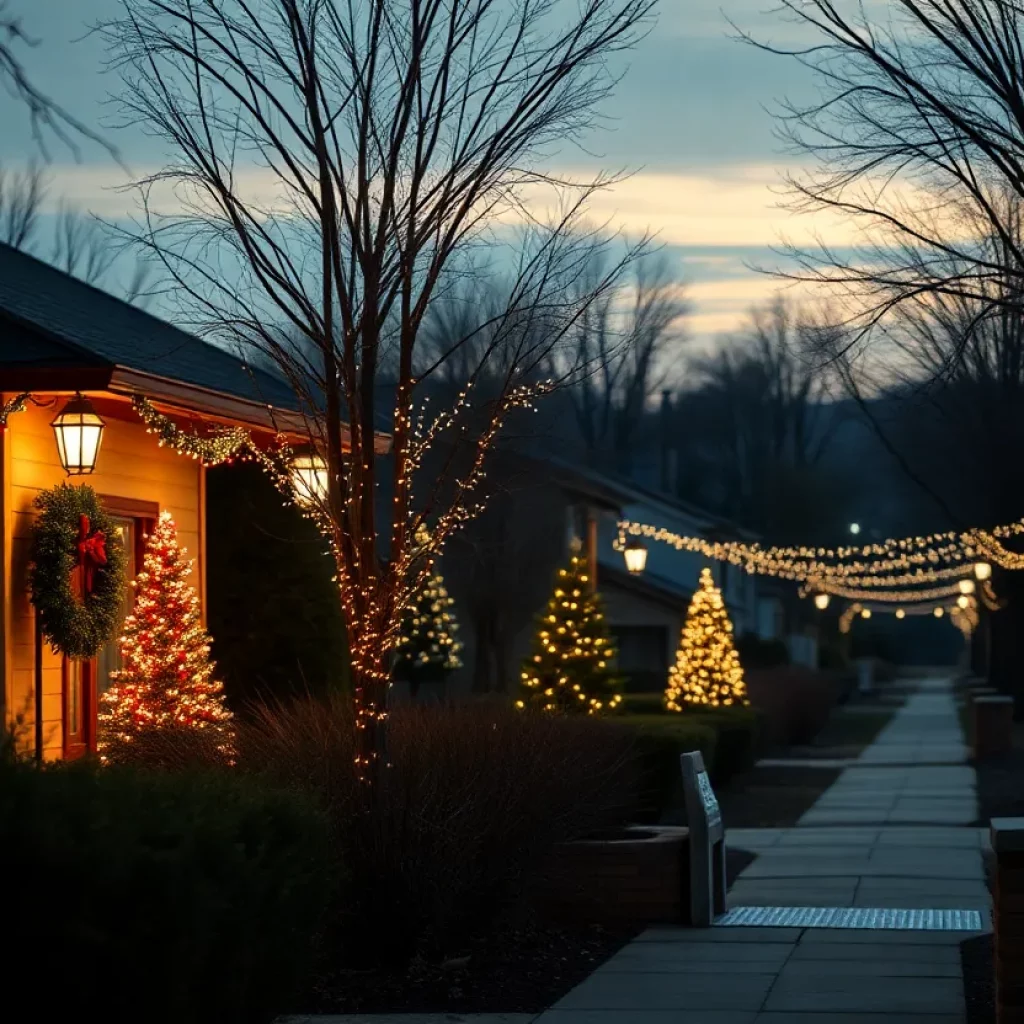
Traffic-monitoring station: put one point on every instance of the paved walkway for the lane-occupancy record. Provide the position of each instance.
(894, 831)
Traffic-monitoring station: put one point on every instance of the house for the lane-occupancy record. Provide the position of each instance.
(61, 338)
(504, 575)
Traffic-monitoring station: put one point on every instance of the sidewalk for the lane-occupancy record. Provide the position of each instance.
(893, 832)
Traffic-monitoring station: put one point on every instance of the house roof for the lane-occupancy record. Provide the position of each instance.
(51, 321)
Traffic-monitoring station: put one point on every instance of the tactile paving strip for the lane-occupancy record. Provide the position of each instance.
(852, 917)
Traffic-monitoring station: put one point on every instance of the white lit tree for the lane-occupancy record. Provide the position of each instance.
(428, 649)
(707, 669)
(167, 679)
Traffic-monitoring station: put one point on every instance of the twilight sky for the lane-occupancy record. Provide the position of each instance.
(689, 117)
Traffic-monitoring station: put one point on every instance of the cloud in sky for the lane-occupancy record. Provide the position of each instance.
(689, 114)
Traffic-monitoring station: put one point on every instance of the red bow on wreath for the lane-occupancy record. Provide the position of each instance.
(92, 552)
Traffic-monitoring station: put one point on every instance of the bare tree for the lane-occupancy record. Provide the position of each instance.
(756, 428)
(80, 244)
(628, 340)
(46, 116)
(917, 137)
(337, 163)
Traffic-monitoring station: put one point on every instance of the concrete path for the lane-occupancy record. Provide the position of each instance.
(894, 831)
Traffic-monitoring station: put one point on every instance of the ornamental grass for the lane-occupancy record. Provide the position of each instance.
(461, 830)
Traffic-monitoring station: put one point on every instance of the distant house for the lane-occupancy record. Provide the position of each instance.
(520, 543)
(61, 338)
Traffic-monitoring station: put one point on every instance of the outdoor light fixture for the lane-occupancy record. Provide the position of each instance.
(821, 601)
(966, 587)
(635, 554)
(982, 570)
(78, 430)
(900, 613)
(855, 528)
(938, 613)
(963, 601)
(309, 478)
(865, 613)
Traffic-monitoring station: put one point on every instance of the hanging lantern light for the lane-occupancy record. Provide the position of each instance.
(635, 554)
(821, 601)
(309, 478)
(938, 613)
(865, 613)
(966, 586)
(963, 601)
(78, 430)
(982, 570)
(900, 613)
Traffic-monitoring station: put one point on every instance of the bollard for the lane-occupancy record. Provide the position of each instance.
(993, 726)
(707, 842)
(1007, 836)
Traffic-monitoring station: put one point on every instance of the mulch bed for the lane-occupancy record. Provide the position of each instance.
(513, 970)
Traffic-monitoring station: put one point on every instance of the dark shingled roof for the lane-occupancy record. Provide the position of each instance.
(50, 319)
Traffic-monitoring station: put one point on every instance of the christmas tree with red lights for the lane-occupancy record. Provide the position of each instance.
(166, 681)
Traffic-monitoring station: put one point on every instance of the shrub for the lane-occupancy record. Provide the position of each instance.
(462, 826)
(737, 732)
(756, 653)
(660, 739)
(794, 702)
(166, 898)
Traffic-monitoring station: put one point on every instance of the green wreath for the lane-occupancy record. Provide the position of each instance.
(73, 532)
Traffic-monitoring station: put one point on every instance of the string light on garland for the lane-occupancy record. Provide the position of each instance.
(982, 571)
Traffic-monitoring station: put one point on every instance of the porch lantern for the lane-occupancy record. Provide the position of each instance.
(821, 601)
(78, 430)
(982, 570)
(966, 586)
(635, 554)
(309, 478)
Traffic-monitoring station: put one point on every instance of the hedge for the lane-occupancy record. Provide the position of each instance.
(159, 898)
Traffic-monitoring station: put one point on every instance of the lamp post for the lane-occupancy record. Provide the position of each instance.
(635, 554)
(309, 478)
(78, 431)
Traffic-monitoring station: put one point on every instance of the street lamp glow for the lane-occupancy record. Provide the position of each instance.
(865, 613)
(855, 528)
(982, 570)
(963, 601)
(938, 613)
(821, 601)
(900, 613)
(635, 554)
(966, 586)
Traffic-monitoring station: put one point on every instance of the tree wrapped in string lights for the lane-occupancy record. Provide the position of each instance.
(428, 649)
(571, 666)
(166, 681)
(707, 669)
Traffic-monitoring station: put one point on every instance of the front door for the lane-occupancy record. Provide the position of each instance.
(86, 680)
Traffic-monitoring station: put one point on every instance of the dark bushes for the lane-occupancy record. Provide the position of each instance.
(794, 702)
(165, 899)
(463, 824)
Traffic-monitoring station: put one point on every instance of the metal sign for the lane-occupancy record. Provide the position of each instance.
(708, 798)
(707, 842)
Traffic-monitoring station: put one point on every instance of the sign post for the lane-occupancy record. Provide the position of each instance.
(707, 842)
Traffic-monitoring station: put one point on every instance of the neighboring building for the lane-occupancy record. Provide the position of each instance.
(60, 337)
(544, 504)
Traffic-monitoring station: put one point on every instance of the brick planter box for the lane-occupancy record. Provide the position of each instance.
(636, 875)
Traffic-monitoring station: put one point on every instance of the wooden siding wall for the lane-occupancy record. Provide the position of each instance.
(130, 465)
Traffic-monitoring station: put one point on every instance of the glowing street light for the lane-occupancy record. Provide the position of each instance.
(635, 553)
(982, 570)
(821, 601)
(966, 586)
(855, 528)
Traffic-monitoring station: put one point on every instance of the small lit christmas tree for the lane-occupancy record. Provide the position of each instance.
(571, 665)
(707, 669)
(166, 681)
(428, 649)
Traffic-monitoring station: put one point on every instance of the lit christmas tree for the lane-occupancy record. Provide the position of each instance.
(571, 668)
(428, 649)
(707, 669)
(166, 681)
